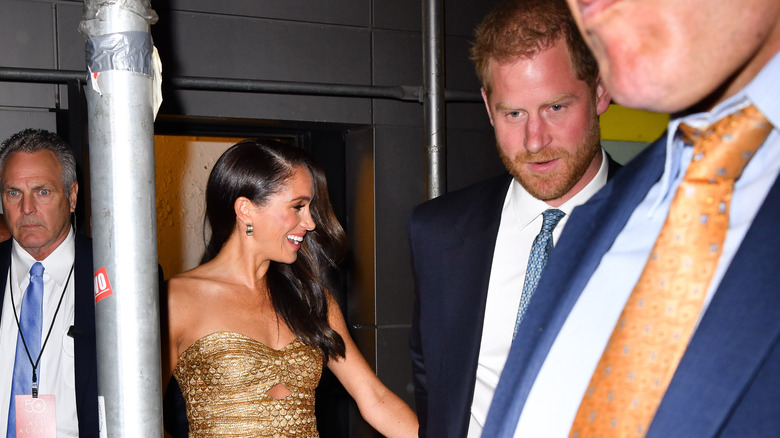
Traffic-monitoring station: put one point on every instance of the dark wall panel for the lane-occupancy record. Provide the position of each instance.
(471, 157)
(254, 48)
(272, 106)
(400, 167)
(397, 61)
(70, 43)
(13, 121)
(397, 58)
(399, 15)
(458, 66)
(27, 41)
(461, 17)
(395, 362)
(345, 12)
(26, 31)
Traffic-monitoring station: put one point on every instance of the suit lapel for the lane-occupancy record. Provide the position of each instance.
(470, 261)
(736, 333)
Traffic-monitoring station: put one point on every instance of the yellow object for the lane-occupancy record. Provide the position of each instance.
(626, 124)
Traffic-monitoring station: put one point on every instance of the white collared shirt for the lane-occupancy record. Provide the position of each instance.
(521, 222)
(57, 375)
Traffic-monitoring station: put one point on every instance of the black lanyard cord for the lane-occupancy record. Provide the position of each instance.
(51, 326)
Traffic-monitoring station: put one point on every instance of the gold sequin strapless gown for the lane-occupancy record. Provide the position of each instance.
(225, 378)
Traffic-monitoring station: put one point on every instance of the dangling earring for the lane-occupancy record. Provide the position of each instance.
(250, 230)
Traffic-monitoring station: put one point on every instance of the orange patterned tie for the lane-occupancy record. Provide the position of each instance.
(659, 317)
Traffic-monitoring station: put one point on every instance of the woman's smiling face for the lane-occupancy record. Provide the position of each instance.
(281, 224)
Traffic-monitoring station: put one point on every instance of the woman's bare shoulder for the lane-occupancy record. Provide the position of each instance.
(191, 287)
(195, 279)
(193, 302)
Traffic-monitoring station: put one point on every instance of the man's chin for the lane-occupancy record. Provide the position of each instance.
(27, 241)
(543, 190)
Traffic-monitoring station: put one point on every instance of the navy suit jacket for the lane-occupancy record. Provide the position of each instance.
(728, 382)
(452, 239)
(82, 331)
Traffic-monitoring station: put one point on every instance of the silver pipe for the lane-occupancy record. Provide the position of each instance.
(401, 92)
(398, 92)
(433, 101)
(121, 146)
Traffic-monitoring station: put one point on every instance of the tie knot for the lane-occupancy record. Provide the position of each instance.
(723, 150)
(551, 218)
(36, 270)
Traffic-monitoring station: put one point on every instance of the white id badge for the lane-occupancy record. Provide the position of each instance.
(36, 417)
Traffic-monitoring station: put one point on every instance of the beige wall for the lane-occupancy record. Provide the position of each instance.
(182, 166)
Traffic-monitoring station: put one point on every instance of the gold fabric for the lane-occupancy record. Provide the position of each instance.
(658, 319)
(225, 378)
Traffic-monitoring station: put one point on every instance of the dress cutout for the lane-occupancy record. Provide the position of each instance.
(225, 378)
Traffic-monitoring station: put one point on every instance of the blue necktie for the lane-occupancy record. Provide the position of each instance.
(540, 250)
(30, 317)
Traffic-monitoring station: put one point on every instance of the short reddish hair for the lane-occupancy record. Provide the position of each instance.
(520, 29)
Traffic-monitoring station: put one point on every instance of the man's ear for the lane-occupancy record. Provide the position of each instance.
(487, 105)
(73, 195)
(603, 98)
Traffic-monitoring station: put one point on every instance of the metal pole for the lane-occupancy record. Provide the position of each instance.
(121, 145)
(433, 101)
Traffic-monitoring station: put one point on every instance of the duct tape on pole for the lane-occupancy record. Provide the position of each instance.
(120, 100)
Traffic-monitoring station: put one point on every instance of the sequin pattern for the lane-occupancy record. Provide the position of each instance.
(225, 378)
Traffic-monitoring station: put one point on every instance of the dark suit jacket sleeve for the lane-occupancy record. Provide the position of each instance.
(83, 333)
(415, 343)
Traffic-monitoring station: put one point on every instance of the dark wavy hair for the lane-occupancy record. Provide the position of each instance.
(520, 29)
(258, 169)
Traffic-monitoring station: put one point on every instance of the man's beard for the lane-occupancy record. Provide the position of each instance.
(558, 183)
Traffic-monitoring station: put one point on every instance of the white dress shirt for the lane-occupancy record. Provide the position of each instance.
(521, 222)
(557, 391)
(57, 365)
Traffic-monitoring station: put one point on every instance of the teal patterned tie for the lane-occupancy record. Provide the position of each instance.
(543, 244)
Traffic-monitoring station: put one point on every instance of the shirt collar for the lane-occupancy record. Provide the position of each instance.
(57, 265)
(762, 91)
(527, 208)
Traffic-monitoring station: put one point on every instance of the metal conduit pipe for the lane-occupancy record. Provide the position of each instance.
(10, 74)
(124, 222)
(400, 92)
(433, 101)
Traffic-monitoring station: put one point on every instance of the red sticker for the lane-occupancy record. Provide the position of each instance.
(102, 286)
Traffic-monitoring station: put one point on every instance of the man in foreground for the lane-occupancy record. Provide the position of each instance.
(665, 321)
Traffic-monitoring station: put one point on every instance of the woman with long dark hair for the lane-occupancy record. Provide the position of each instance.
(250, 329)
